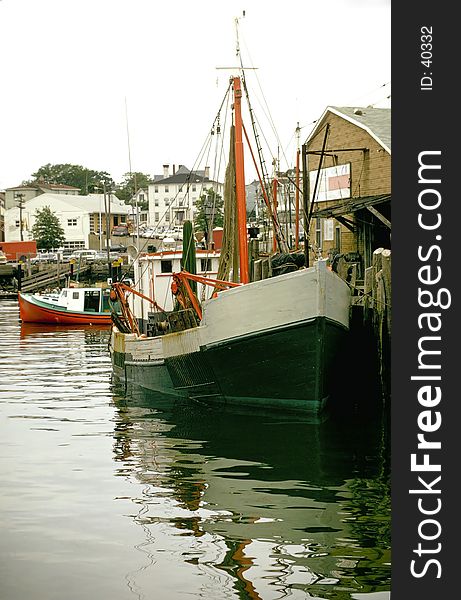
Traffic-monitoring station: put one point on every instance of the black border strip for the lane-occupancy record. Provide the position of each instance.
(425, 120)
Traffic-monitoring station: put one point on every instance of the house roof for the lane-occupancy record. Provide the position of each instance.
(183, 175)
(376, 121)
(93, 203)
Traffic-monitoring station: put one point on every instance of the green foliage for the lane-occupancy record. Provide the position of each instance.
(87, 180)
(209, 205)
(47, 230)
(131, 182)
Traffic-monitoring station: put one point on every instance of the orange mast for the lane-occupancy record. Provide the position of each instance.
(274, 192)
(240, 184)
(297, 191)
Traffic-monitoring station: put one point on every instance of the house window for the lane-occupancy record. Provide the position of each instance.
(71, 222)
(318, 233)
(194, 187)
(115, 220)
(167, 202)
(141, 197)
(166, 189)
(156, 189)
(166, 266)
(17, 223)
(156, 202)
(157, 216)
(167, 217)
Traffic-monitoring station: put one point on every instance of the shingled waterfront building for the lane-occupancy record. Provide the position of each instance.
(351, 198)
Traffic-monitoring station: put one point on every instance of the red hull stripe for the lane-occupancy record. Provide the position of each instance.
(32, 313)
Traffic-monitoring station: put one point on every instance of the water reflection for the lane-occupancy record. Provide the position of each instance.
(272, 506)
(107, 496)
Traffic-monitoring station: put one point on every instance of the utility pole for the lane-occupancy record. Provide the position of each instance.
(20, 200)
(107, 211)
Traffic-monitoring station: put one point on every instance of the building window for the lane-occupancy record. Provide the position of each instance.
(74, 245)
(141, 197)
(338, 238)
(167, 202)
(155, 189)
(156, 202)
(166, 266)
(166, 189)
(194, 187)
(167, 217)
(17, 223)
(157, 217)
(71, 222)
(115, 220)
(318, 233)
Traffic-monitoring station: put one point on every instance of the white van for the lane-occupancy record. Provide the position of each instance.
(87, 255)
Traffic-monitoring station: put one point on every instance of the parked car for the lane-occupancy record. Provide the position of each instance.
(120, 230)
(88, 255)
(45, 258)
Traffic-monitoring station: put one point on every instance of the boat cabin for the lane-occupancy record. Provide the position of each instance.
(84, 299)
(153, 276)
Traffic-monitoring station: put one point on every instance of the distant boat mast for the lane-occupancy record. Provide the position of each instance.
(131, 174)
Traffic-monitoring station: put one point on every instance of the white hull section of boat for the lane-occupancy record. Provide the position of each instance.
(265, 305)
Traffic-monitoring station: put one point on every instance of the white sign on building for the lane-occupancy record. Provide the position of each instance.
(334, 183)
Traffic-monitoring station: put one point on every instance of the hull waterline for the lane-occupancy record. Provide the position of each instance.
(32, 310)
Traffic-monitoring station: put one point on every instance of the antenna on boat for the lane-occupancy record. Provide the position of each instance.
(131, 174)
(298, 152)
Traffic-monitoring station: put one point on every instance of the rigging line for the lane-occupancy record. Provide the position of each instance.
(375, 89)
(271, 121)
(265, 175)
(202, 150)
(268, 115)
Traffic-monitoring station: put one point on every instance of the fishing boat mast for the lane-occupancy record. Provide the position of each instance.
(240, 183)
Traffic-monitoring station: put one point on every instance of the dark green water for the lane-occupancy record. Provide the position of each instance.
(108, 496)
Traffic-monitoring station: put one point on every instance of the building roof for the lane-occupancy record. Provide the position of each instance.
(350, 206)
(93, 203)
(44, 186)
(376, 121)
(183, 175)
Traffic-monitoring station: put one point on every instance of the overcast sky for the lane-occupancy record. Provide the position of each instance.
(68, 65)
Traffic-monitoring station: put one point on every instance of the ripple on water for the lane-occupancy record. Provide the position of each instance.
(113, 496)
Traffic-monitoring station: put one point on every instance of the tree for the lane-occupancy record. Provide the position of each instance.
(130, 184)
(87, 180)
(209, 207)
(47, 229)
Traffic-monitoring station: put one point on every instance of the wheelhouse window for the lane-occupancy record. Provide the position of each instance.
(205, 264)
(166, 266)
(75, 295)
(91, 301)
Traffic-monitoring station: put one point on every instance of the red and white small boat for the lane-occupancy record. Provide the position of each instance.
(88, 306)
